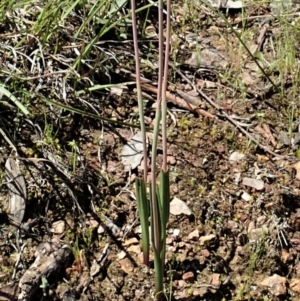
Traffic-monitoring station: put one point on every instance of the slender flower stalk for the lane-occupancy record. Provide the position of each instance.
(159, 193)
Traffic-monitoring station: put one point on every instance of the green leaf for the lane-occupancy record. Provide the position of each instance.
(143, 211)
(4, 91)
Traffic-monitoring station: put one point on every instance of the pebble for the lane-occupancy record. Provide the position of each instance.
(194, 235)
(188, 277)
(207, 238)
(276, 285)
(178, 207)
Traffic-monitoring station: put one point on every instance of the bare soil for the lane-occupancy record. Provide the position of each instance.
(240, 242)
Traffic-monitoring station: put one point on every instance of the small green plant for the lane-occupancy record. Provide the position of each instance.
(75, 152)
(159, 194)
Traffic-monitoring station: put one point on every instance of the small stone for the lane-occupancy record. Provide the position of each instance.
(297, 268)
(286, 256)
(251, 226)
(261, 220)
(171, 160)
(254, 183)
(194, 235)
(204, 240)
(246, 197)
(205, 253)
(58, 227)
(276, 285)
(95, 268)
(284, 138)
(215, 280)
(236, 156)
(188, 277)
(100, 230)
(131, 241)
(91, 221)
(295, 285)
(126, 265)
(169, 240)
(176, 232)
(121, 255)
(257, 233)
(135, 249)
(232, 225)
(181, 283)
(178, 207)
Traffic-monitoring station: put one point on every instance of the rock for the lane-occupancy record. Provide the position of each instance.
(58, 227)
(286, 256)
(276, 285)
(178, 207)
(121, 255)
(297, 269)
(131, 241)
(251, 226)
(205, 253)
(204, 240)
(257, 233)
(126, 265)
(181, 283)
(236, 156)
(261, 220)
(254, 183)
(295, 285)
(176, 232)
(246, 197)
(100, 230)
(91, 221)
(135, 249)
(215, 280)
(194, 235)
(284, 138)
(169, 240)
(188, 277)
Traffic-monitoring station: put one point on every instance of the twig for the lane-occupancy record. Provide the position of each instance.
(180, 102)
(18, 260)
(212, 103)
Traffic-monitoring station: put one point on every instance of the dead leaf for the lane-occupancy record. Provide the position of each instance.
(132, 152)
(17, 191)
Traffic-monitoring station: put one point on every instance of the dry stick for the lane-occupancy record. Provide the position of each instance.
(212, 103)
(179, 101)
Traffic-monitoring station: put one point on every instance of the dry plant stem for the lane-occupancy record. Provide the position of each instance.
(156, 129)
(179, 102)
(203, 95)
(138, 86)
(164, 89)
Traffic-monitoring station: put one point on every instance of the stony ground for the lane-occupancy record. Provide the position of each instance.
(233, 149)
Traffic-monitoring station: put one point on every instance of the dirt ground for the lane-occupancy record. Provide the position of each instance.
(233, 150)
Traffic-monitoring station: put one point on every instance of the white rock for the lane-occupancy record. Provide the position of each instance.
(194, 235)
(236, 156)
(254, 183)
(246, 196)
(176, 232)
(178, 207)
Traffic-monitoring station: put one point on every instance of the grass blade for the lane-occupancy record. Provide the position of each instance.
(143, 211)
(4, 91)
